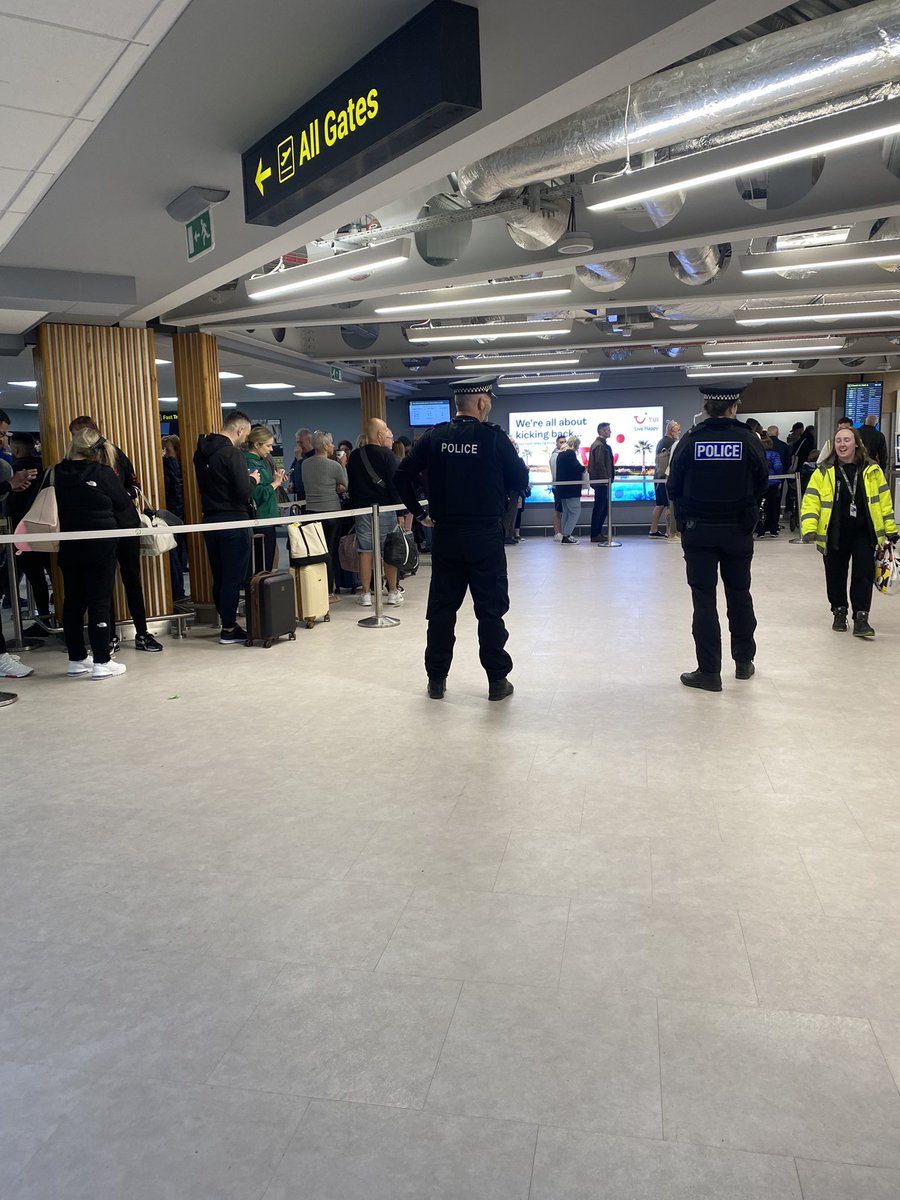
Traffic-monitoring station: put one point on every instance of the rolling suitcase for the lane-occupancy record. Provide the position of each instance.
(271, 607)
(312, 593)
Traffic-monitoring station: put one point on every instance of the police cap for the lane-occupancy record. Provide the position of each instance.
(731, 392)
(474, 387)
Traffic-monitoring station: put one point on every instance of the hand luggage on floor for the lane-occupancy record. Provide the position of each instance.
(271, 607)
(312, 593)
(400, 551)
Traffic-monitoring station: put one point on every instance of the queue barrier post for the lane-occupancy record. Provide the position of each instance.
(610, 543)
(379, 620)
(19, 641)
(798, 540)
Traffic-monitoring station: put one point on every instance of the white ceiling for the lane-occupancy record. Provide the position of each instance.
(62, 66)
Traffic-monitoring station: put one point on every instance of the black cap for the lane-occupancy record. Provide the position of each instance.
(474, 387)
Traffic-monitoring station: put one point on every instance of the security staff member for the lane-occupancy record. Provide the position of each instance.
(472, 467)
(717, 479)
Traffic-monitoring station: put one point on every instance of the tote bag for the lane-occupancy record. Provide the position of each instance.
(42, 517)
(306, 543)
(887, 570)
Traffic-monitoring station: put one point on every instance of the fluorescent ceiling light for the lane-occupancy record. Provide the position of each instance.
(271, 387)
(826, 258)
(167, 399)
(628, 189)
(30, 405)
(502, 364)
(496, 329)
(229, 375)
(812, 237)
(23, 383)
(730, 370)
(734, 350)
(494, 295)
(229, 404)
(163, 362)
(801, 314)
(313, 393)
(548, 381)
(341, 266)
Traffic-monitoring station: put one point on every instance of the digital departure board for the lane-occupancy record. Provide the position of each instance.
(862, 400)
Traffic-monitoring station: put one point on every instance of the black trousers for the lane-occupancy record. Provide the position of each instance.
(856, 556)
(772, 508)
(229, 562)
(599, 512)
(35, 566)
(709, 550)
(88, 587)
(473, 558)
(128, 552)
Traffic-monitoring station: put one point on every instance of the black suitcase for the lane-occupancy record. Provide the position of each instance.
(271, 607)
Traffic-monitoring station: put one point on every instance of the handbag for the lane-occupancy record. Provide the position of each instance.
(887, 569)
(400, 551)
(151, 545)
(348, 555)
(42, 517)
(306, 543)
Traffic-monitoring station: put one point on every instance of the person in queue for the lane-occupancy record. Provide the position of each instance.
(370, 475)
(302, 450)
(601, 466)
(569, 471)
(661, 466)
(128, 550)
(472, 467)
(35, 564)
(717, 480)
(90, 496)
(556, 492)
(257, 454)
(17, 481)
(226, 487)
(847, 512)
(173, 481)
(874, 441)
(325, 482)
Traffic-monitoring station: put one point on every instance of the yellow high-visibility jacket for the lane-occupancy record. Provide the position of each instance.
(818, 504)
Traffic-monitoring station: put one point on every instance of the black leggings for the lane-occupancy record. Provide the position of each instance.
(856, 555)
(128, 551)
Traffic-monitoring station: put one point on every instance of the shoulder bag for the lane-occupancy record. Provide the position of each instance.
(42, 517)
(306, 543)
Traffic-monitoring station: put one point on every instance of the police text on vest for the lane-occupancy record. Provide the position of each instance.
(718, 451)
(459, 448)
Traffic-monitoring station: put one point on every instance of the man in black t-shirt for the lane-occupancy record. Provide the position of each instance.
(370, 481)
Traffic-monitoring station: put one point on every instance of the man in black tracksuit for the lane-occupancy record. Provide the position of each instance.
(225, 489)
(717, 477)
(472, 468)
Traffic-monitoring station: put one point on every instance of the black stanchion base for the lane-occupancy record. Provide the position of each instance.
(7, 698)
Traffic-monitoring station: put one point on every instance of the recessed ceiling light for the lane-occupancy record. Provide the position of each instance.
(23, 383)
(167, 399)
(271, 387)
(819, 313)
(30, 405)
(505, 364)
(825, 258)
(229, 375)
(730, 369)
(229, 404)
(547, 381)
(341, 266)
(163, 362)
(734, 350)
(311, 394)
(494, 329)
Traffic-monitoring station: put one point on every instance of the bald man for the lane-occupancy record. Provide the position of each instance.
(370, 479)
(874, 441)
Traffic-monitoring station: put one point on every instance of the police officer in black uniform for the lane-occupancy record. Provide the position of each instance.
(472, 467)
(717, 477)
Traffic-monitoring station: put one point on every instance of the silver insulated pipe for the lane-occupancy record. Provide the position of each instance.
(767, 79)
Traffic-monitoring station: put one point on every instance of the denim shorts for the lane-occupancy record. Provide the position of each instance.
(387, 521)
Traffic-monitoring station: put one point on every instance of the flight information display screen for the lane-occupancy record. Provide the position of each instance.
(425, 413)
(862, 400)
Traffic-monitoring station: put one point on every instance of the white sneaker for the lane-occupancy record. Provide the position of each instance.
(394, 598)
(366, 599)
(11, 668)
(80, 668)
(557, 537)
(107, 670)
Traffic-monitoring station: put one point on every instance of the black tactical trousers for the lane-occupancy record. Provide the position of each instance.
(468, 557)
(709, 549)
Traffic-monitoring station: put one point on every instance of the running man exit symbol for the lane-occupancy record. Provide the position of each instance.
(286, 165)
(200, 238)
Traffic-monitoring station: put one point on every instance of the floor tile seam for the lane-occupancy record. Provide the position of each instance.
(501, 862)
(812, 882)
(437, 1061)
(793, 1158)
(842, 1162)
(895, 1077)
(402, 914)
(562, 957)
(289, 1141)
(799, 1180)
(537, 1134)
(662, 1102)
(379, 825)
(749, 959)
(243, 1024)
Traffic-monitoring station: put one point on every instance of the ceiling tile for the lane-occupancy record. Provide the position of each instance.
(25, 137)
(28, 197)
(71, 140)
(9, 223)
(10, 184)
(111, 86)
(17, 320)
(115, 18)
(71, 65)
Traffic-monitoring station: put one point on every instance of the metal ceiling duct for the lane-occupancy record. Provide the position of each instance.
(773, 78)
(887, 229)
(605, 276)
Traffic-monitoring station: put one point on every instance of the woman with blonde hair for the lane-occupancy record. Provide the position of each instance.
(90, 496)
(569, 472)
(259, 445)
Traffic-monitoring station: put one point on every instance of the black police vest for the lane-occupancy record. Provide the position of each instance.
(718, 476)
(465, 477)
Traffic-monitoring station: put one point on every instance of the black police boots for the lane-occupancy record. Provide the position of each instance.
(861, 626)
(702, 679)
(744, 670)
(839, 624)
(499, 689)
(436, 688)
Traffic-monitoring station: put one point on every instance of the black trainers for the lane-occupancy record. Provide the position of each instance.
(233, 637)
(146, 641)
(115, 643)
(702, 679)
(499, 689)
(861, 626)
(839, 624)
(743, 670)
(436, 688)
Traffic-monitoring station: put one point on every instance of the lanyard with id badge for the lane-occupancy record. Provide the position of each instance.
(851, 491)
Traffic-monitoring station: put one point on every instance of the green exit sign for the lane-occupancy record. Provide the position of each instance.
(336, 374)
(200, 239)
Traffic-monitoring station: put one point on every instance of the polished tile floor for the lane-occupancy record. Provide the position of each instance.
(274, 926)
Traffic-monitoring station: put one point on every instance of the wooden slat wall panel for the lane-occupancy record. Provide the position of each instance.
(371, 401)
(108, 374)
(199, 412)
